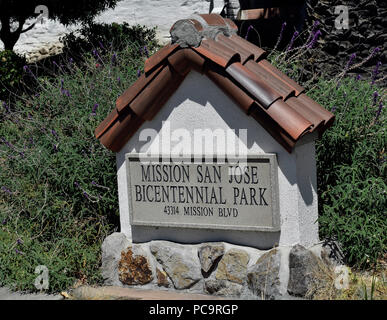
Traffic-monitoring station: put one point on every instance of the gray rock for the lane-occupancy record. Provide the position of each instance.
(263, 278)
(180, 262)
(223, 288)
(112, 247)
(209, 253)
(304, 267)
(185, 34)
(233, 266)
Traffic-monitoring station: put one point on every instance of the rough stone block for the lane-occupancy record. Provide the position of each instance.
(181, 263)
(304, 266)
(233, 266)
(263, 278)
(209, 253)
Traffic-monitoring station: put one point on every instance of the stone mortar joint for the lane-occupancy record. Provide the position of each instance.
(184, 32)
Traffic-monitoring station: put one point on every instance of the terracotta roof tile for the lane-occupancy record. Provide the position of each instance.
(159, 57)
(244, 53)
(254, 85)
(248, 46)
(281, 87)
(283, 77)
(240, 97)
(136, 88)
(236, 66)
(217, 52)
(213, 19)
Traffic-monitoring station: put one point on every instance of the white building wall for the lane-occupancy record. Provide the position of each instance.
(198, 103)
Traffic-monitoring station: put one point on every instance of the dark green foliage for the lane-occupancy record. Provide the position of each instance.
(351, 159)
(58, 186)
(11, 72)
(351, 155)
(66, 12)
(107, 37)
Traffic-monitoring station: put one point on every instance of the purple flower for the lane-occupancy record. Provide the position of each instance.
(19, 241)
(248, 31)
(350, 61)
(7, 143)
(376, 72)
(138, 73)
(6, 107)
(4, 222)
(295, 35)
(53, 132)
(280, 35)
(94, 110)
(314, 40)
(76, 184)
(312, 32)
(118, 79)
(55, 148)
(114, 58)
(375, 95)
(18, 252)
(379, 111)
(146, 51)
(334, 108)
(6, 190)
(85, 194)
(358, 77)
(63, 90)
(27, 69)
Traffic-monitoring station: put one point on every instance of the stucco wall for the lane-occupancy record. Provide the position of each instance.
(198, 103)
(160, 13)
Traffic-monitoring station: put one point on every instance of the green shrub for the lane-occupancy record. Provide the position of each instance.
(107, 37)
(11, 72)
(58, 186)
(351, 162)
(351, 155)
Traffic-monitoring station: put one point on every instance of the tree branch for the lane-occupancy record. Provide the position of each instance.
(29, 28)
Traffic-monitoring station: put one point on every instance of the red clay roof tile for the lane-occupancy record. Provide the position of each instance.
(283, 77)
(213, 19)
(237, 67)
(159, 57)
(254, 85)
(217, 52)
(244, 53)
(248, 46)
(135, 89)
(281, 87)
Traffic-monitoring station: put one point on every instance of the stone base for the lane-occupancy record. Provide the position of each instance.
(216, 268)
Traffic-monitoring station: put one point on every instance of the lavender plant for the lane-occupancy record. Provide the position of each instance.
(58, 193)
(351, 156)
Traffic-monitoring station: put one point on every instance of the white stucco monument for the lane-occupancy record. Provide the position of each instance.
(216, 170)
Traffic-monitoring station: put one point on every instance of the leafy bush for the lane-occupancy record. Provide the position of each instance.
(351, 156)
(107, 37)
(11, 72)
(58, 189)
(351, 160)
